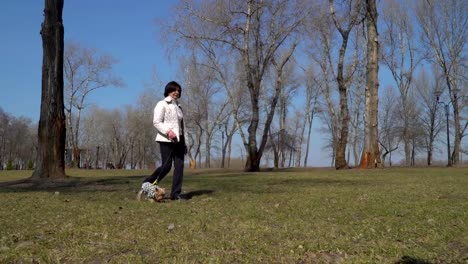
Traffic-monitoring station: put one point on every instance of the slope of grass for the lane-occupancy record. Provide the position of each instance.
(286, 216)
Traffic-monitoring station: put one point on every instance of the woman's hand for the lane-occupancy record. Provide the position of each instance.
(171, 135)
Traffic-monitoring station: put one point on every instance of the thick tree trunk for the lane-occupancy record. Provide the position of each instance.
(370, 157)
(340, 159)
(50, 160)
(342, 141)
(252, 163)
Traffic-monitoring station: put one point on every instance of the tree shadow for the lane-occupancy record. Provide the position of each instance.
(191, 194)
(71, 184)
(84, 184)
(411, 260)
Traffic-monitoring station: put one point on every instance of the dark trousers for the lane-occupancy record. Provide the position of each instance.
(170, 152)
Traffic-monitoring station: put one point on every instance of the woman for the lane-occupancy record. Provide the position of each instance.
(168, 120)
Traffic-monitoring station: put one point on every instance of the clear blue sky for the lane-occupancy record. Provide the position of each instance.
(124, 29)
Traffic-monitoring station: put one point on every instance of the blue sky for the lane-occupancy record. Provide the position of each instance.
(124, 29)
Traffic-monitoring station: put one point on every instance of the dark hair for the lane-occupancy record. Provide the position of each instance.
(171, 87)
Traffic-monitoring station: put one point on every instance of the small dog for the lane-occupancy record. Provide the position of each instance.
(153, 192)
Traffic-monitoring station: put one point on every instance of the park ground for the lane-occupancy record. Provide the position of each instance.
(399, 215)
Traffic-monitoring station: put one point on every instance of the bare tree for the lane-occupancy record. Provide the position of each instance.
(18, 142)
(389, 136)
(223, 69)
(4, 121)
(50, 162)
(344, 23)
(108, 136)
(147, 134)
(370, 157)
(203, 111)
(416, 128)
(444, 27)
(330, 37)
(285, 88)
(85, 71)
(356, 133)
(117, 140)
(328, 114)
(255, 30)
(21, 142)
(400, 56)
(311, 95)
(430, 118)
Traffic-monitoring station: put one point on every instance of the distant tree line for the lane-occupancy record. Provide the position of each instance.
(18, 142)
(264, 71)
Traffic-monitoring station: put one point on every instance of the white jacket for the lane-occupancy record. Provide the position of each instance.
(167, 116)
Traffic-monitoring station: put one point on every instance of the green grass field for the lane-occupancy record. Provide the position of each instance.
(287, 216)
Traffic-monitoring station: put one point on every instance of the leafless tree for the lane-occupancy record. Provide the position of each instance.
(286, 84)
(389, 136)
(50, 162)
(356, 131)
(349, 15)
(312, 92)
(204, 111)
(417, 135)
(370, 157)
(18, 142)
(430, 118)
(400, 56)
(118, 139)
(444, 26)
(330, 37)
(148, 151)
(223, 70)
(255, 31)
(4, 121)
(85, 71)
(91, 137)
(324, 79)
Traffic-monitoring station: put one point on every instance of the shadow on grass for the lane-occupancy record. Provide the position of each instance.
(411, 260)
(71, 184)
(278, 182)
(78, 184)
(228, 182)
(190, 195)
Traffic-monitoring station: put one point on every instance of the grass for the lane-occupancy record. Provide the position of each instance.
(286, 216)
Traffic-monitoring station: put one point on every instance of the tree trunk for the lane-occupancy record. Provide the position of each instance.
(370, 157)
(458, 129)
(431, 144)
(208, 149)
(253, 158)
(76, 157)
(342, 141)
(309, 134)
(340, 158)
(406, 135)
(50, 160)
